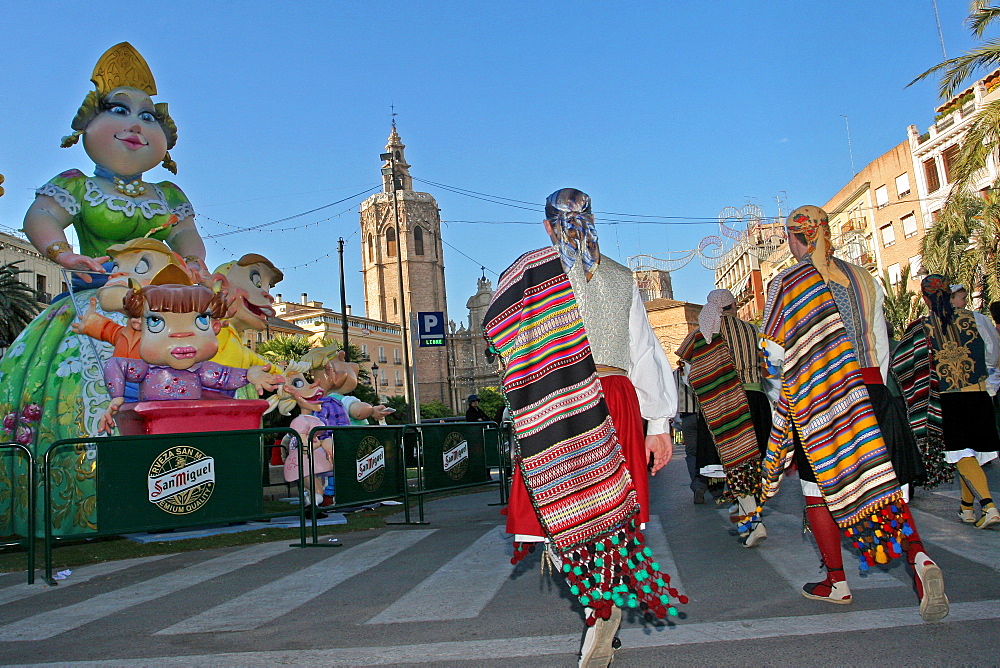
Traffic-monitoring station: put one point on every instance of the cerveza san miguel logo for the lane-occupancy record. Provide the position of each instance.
(371, 463)
(181, 480)
(456, 455)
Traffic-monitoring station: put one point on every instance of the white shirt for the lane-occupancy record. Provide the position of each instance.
(649, 370)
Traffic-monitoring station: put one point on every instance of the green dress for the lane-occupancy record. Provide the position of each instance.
(51, 379)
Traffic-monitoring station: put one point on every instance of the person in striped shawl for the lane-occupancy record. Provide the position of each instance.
(824, 419)
(724, 369)
(947, 366)
(582, 369)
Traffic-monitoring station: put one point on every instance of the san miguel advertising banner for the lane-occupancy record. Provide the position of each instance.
(454, 455)
(155, 482)
(367, 463)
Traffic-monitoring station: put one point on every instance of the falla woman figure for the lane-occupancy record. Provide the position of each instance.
(51, 383)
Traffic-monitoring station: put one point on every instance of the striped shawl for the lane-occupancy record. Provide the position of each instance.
(824, 398)
(912, 363)
(723, 400)
(567, 450)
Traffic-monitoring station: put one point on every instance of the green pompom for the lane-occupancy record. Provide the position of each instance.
(647, 589)
(577, 570)
(672, 611)
(599, 562)
(606, 596)
(574, 590)
(614, 540)
(566, 568)
(646, 551)
(584, 600)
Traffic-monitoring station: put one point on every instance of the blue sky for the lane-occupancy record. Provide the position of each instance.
(653, 108)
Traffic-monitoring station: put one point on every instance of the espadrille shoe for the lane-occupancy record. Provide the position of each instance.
(840, 592)
(599, 642)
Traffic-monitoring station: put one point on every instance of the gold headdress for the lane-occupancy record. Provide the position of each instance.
(122, 65)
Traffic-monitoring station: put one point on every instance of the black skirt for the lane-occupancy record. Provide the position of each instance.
(890, 414)
(969, 422)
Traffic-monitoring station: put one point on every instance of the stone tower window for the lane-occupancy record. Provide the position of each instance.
(390, 242)
(418, 240)
(371, 249)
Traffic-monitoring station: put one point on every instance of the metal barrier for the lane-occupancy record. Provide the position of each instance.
(368, 467)
(29, 540)
(170, 481)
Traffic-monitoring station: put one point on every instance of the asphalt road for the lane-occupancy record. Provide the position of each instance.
(446, 594)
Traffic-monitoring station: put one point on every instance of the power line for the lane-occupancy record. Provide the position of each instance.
(297, 215)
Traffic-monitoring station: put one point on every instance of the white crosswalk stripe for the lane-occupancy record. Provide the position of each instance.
(80, 575)
(446, 594)
(479, 652)
(52, 623)
(285, 594)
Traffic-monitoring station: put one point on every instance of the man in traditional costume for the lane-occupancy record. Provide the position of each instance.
(947, 366)
(725, 371)
(582, 369)
(814, 327)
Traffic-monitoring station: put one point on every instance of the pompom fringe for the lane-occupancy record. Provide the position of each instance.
(618, 569)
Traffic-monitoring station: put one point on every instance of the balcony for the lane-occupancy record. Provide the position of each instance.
(42, 297)
(382, 360)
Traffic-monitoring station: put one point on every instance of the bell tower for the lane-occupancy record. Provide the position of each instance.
(417, 251)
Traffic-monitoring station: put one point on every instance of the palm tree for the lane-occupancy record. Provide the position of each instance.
(284, 348)
(964, 244)
(17, 302)
(902, 306)
(983, 136)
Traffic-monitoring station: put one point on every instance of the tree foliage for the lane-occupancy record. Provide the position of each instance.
(17, 302)
(902, 305)
(284, 348)
(490, 400)
(964, 244)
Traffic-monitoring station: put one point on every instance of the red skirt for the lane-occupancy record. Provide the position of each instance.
(619, 394)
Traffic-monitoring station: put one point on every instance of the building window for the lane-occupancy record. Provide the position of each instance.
(881, 196)
(381, 354)
(395, 356)
(418, 240)
(931, 174)
(390, 242)
(949, 157)
(371, 249)
(909, 222)
(64, 287)
(933, 219)
(888, 235)
(894, 273)
(915, 265)
(364, 352)
(385, 379)
(903, 184)
(399, 379)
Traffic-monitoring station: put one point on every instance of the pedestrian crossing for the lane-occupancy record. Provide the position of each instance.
(275, 594)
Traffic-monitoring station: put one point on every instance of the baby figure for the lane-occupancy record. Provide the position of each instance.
(177, 323)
